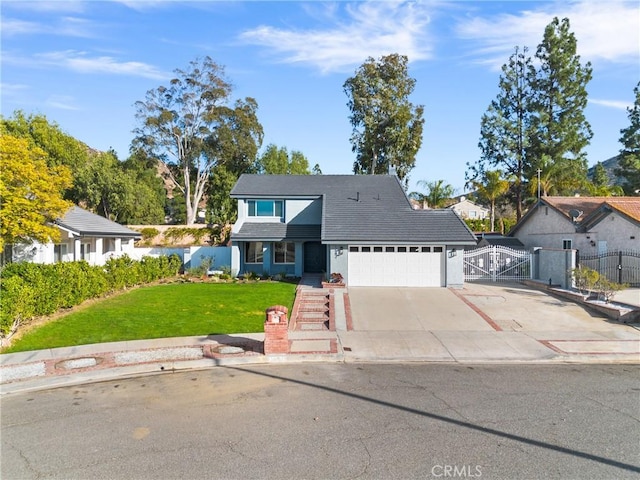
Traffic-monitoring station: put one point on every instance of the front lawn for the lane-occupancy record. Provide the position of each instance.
(172, 310)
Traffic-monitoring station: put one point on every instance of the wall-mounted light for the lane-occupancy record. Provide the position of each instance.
(453, 253)
(339, 251)
(593, 244)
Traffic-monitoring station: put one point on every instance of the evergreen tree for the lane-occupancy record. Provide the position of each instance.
(504, 128)
(387, 127)
(560, 129)
(277, 161)
(629, 166)
(190, 126)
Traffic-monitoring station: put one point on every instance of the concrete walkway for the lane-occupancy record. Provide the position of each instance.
(477, 324)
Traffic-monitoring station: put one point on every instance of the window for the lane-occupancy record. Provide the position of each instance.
(473, 214)
(366, 249)
(414, 249)
(566, 244)
(253, 252)
(377, 249)
(59, 252)
(265, 208)
(85, 251)
(354, 249)
(402, 249)
(437, 249)
(426, 249)
(390, 249)
(284, 252)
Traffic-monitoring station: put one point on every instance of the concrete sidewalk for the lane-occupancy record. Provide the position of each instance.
(478, 324)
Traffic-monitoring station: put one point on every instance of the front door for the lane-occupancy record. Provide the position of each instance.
(315, 257)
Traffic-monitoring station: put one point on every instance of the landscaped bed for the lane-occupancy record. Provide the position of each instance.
(171, 310)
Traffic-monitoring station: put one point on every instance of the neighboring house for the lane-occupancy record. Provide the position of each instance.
(588, 224)
(83, 236)
(361, 226)
(469, 210)
(498, 240)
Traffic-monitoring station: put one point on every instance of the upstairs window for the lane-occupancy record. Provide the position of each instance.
(265, 208)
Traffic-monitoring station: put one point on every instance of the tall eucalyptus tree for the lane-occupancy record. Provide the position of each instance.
(387, 127)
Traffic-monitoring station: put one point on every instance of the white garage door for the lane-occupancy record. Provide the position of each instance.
(396, 266)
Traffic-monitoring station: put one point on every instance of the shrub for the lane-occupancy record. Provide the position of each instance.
(251, 276)
(584, 279)
(17, 304)
(29, 290)
(148, 234)
(607, 289)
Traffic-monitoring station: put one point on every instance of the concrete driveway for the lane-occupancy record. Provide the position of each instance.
(411, 309)
(481, 322)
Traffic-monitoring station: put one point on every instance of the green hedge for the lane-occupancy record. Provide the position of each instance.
(29, 290)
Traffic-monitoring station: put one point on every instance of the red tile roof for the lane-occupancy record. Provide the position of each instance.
(629, 206)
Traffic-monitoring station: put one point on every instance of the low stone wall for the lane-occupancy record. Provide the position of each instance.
(619, 312)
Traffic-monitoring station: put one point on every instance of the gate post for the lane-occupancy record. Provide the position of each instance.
(276, 330)
(493, 262)
(620, 267)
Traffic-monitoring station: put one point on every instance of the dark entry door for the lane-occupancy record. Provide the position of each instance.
(315, 257)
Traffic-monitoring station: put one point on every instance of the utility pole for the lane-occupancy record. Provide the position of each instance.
(539, 171)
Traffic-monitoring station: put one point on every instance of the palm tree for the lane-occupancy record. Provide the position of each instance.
(437, 193)
(492, 187)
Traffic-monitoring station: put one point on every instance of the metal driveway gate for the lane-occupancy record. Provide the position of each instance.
(497, 264)
(620, 267)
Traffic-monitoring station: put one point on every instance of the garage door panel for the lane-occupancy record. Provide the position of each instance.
(396, 268)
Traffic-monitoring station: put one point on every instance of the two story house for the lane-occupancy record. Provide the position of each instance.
(361, 226)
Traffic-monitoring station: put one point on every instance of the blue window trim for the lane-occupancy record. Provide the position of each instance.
(287, 253)
(265, 208)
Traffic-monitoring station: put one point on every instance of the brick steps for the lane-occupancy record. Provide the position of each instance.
(312, 312)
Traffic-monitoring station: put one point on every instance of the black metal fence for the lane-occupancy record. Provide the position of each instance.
(621, 267)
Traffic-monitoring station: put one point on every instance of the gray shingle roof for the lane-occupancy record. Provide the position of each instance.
(361, 208)
(277, 232)
(85, 223)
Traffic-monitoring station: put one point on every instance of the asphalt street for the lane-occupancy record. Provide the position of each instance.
(332, 421)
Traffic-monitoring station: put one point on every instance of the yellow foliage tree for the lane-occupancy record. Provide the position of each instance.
(30, 193)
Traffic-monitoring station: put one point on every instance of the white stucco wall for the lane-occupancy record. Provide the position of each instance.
(454, 267)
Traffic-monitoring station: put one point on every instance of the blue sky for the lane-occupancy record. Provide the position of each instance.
(84, 64)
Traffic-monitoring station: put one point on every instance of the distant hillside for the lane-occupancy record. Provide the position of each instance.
(610, 167)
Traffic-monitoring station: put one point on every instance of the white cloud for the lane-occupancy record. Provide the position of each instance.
(19, 27)
(82, 63)
(11, 88)
(74, 6)
(608, 31)
(64, 26)
(617, 104)
(62, 102)
(143, 5)
(372, 29)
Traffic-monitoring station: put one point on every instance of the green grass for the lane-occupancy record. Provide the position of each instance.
(173, 310)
